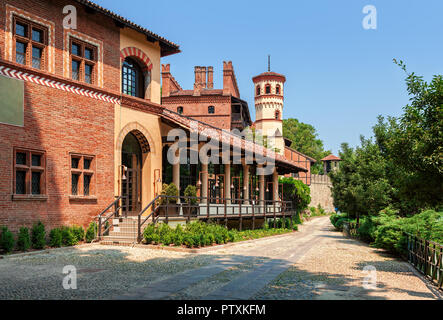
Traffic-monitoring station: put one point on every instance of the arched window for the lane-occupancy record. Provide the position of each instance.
(211, 110)
(180, 110)
(268, 89)
(277, 115)
(258, 91)
(277, 89)
(132, 79)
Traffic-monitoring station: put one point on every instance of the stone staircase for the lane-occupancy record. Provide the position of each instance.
(123, 232)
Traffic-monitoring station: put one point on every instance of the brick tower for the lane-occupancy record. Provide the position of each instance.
(269, 89)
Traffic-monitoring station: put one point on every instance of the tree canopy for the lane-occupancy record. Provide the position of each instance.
(402, 166)
(305, 139)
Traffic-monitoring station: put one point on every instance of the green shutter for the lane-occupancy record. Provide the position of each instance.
(11, 101)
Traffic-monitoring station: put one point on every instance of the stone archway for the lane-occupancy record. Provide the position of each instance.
(136, 174)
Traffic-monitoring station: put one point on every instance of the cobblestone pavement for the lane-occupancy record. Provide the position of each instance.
(315, 263)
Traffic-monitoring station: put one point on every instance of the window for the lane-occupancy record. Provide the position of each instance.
(268, 89)
(277, 115)
(277, 89)
(258, 91)
(83, 61)
(29, 172)
(211, 110)
(82, 175)
(30, 43)
(132, 79)
(180, 110)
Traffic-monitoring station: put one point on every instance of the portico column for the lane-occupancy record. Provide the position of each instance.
(204, 185)
(246, 183)
(275, 196)
(176, 176)
(261, 187)
(228, 182)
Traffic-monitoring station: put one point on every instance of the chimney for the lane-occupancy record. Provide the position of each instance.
(203, 77)
(229, 82)
(197, 82)
(210, 77)
(166, 80)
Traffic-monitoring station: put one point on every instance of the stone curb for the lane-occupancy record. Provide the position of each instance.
(49, 250)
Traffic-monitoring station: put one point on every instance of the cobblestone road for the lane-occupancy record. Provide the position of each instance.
(315, 263)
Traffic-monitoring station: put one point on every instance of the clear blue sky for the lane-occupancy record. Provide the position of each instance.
(339, 75)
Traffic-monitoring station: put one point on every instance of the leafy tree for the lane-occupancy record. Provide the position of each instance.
(297, 192)
(305, 139)
(402, 166)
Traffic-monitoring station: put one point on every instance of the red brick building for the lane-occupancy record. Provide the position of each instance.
(82, 120)
(221, 108)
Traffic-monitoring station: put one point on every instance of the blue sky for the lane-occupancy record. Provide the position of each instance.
(339, 75)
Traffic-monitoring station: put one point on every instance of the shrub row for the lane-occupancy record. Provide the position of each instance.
(318, 211)
(199, 234)
(387, 230)
(63, 236)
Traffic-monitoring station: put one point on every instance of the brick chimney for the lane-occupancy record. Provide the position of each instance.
(197, 82)
(229, 82)
(210, 77)
(169, 84)
(166, 80)
(203, 77)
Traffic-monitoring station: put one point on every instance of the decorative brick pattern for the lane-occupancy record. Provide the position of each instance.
(56, 85)
(139, 55)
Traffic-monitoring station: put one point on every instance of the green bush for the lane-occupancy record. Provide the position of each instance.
(38, 236)
(367, 229)
(79, 233)
(68, 237)
(6, 240)
(191, 191)
(91, 232)
(56, 238)
(23, 239)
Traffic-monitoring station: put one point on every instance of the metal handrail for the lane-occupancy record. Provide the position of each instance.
(117, 208)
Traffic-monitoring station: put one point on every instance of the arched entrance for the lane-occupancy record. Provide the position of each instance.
(134, 147)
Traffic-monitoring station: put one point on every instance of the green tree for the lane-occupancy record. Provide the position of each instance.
(305, 139)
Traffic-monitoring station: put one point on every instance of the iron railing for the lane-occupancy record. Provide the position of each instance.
(426, 256)
(105, 216)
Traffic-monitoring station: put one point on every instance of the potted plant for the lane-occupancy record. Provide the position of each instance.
(168, 204)
(191, 201)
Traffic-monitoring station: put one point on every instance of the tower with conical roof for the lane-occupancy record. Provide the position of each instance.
(269, 97)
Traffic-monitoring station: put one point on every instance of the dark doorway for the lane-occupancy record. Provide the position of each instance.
(132, 177)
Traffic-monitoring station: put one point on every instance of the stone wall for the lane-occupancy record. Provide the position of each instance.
(321, 192)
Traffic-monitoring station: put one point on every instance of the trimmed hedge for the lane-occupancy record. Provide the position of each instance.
(199, 234)
(23, 239)
(38, 237)
(6, 240)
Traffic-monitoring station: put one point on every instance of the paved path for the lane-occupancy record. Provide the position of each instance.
(315, 263)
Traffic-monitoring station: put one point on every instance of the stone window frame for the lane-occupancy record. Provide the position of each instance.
(83, 60)
(82, 172)
(9, 49)
(28, 168)
(29, 42)
(70, 34)
(268, 87)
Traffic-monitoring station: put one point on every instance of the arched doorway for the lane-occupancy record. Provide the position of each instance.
(133, 147)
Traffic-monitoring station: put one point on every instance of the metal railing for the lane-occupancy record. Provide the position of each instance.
(426, 256)
(103, 218)
(200, 208)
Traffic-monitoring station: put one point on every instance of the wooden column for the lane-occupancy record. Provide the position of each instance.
(228, 182)
(246, 183)
(204, 186)
(275, 196)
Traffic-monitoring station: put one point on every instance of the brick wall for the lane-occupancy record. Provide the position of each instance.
(61, 123)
